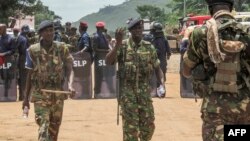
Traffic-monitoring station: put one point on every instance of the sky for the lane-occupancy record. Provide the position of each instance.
(73, 10)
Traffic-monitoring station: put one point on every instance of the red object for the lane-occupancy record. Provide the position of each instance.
(2, 60)
(100, 24)
(83, 24)
(193, 20)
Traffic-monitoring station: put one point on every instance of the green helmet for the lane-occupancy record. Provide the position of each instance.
(215, 2)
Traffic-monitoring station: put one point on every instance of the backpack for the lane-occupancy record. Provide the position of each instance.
(225, 53)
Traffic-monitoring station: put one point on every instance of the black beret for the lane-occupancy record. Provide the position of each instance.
(132, 22)
(45, 24)
(215, 2)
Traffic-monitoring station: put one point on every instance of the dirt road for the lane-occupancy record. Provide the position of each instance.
(177, 119)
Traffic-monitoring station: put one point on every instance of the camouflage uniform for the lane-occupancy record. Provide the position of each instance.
(218, 108)
(48, 73)
(135, 68)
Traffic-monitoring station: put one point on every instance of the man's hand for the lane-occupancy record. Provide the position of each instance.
(73, 92)
(119, 33)
(26, 103)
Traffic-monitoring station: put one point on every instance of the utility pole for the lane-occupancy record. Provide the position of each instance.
(184, 8)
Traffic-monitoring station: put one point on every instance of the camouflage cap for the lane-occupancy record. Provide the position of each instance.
(132, 22)
(215, 2)
(45, 24)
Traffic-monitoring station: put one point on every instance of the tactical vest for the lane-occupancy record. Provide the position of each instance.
(48, 71)
(136, 64)
(225, 53)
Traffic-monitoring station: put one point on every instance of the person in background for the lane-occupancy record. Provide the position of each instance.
(22, 45)
(7, 49)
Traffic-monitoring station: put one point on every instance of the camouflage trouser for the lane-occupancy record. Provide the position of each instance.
(218, 112)
(49, 118)
(137, 115)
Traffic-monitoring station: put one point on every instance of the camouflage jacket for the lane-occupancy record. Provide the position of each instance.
(197, 53)
(136, 62)
(49, 67)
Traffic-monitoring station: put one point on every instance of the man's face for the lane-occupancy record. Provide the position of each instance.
(2, 29)
(137, 30)
(48, 34)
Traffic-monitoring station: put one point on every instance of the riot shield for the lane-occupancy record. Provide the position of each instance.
(105, 77)
(186, 88)
(8, 86)
(82, 75)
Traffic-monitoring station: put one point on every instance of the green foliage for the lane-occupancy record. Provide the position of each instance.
(152, 13)
(20, 8)
(116, 16)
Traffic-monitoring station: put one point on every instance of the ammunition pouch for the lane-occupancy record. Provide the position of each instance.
(201, 88)
(199, 73)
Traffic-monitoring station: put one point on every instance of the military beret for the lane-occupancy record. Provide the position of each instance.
(214, 2)
(100, 24)
(83, 24)
(45, 24)
(132, 22)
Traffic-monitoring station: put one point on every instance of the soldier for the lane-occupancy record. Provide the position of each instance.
(67, 28)
(73, 40)
(218, 62)
(33, 37)
(21, 45)
(7, 49)
(137, 59)
(46, 62)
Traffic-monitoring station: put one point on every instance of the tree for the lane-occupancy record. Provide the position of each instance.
(152, 13)
(16, 8)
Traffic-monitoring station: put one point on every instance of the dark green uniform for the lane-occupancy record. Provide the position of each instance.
(218, 107)
(136, 65)
(48, 73)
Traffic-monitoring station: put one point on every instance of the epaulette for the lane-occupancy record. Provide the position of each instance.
(35, 47)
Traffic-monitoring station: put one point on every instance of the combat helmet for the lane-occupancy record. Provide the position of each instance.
(214, 2)
(156, 27)
(25, 28)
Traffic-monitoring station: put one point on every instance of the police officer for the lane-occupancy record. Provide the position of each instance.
(7, 49)
(47, 62)
(161, 44)
(137, 59)
(217, 60)
(101, 48)
(84, 44)
(21, 45)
